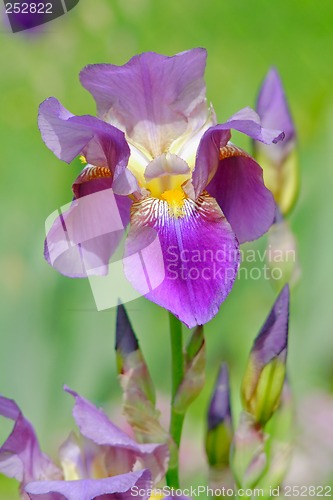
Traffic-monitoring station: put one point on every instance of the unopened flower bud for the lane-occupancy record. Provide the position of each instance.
(279, 161)
(265, 374)
(219, 431)
(129, 355)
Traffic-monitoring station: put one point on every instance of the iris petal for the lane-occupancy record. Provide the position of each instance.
(82, 237)
(96, 426)
(113, 488)
(103, 145)
(246, 121)
(20, 456)
(200, 256)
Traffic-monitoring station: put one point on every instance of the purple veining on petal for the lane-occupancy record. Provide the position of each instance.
(200, 257)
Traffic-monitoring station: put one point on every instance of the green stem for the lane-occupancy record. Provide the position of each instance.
(176, 419)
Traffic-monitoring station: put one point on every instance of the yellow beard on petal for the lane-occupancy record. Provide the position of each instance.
(175, 199)
(166, 183)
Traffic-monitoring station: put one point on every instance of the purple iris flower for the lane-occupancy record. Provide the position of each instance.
(103, 463)
(172, 170)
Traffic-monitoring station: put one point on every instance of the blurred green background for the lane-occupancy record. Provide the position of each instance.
(50, 331)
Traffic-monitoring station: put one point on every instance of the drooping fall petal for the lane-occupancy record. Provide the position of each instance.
(122, 450)
(200, 256)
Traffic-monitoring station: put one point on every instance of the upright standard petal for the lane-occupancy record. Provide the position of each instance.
(103, 145)
(20, 456)
(152, 97)
(200, 255)
(112, 488)
(123, 452)
(82, 236)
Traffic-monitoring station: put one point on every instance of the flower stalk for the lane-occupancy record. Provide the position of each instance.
(176, 418)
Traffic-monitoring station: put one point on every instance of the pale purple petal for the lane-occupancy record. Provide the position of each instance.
(111, 488)
(96, 426)
(67, 136)
(272, 107)
(239, 189)
(200, 257)
(152, 97)
(20, 456)
(83, 236)
(246, 121)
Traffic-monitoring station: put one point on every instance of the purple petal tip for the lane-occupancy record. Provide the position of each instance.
(219, 408)
(126, 341)
(273, 337)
